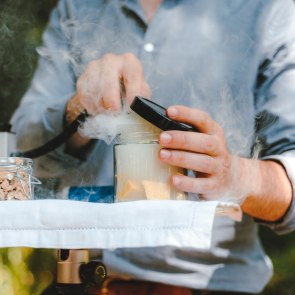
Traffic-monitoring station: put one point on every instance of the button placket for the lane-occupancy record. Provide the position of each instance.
(149, 47)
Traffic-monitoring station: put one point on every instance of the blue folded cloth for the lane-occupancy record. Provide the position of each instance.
(95, 194)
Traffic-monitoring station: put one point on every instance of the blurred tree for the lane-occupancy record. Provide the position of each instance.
(21, 25)
(282, 253)
(23, 271)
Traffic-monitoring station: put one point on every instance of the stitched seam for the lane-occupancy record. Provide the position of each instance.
(97, 228)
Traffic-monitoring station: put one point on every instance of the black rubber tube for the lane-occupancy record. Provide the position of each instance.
(56, 141)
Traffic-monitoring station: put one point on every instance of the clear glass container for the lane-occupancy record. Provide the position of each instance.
(16, 179)
(139, 174)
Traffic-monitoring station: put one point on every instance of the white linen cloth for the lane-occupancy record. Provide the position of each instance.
(74, 224)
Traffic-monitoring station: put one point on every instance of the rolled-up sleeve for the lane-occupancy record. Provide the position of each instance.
(39, 117)
(275, 98)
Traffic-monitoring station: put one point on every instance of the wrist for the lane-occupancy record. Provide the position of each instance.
(271, 193)
(76, 143)
(73, 109)
(251, 177)
(244, 178)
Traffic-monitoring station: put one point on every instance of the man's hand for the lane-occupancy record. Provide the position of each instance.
(102, 87)
(204, 152)
(105, 83)
(263, 187)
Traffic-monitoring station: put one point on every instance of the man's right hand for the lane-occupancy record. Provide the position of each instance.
(103, 86)
(105, 83)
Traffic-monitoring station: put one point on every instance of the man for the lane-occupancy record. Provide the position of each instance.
(218, 65)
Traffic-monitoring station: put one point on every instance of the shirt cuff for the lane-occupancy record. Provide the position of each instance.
(287, 223)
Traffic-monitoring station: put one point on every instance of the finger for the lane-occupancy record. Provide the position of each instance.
(193, 185)
(190, 141)
(86, 94)
(197, 118)
(146, 90)
(98, 87)
(192, 161)
(132, 76)
(109, 85)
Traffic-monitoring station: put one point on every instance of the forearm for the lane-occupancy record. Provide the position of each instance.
(271, 190)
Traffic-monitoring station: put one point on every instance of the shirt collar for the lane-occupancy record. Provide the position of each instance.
(135, 7)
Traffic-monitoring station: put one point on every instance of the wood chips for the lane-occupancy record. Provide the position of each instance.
(14, 186)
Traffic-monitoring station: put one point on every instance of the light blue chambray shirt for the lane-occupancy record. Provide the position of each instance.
(232, 58)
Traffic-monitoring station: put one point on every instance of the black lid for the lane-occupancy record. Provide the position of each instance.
(157, 115)
(5, 127)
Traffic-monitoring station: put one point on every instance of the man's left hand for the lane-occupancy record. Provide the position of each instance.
(204, 152)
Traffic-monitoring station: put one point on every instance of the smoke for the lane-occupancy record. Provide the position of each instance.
(83, 48)
(108, 126)
(47, 189)
(103, 126)
(213, 85)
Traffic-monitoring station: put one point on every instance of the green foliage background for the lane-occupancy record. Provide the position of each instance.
(23, 271)
(26, 271)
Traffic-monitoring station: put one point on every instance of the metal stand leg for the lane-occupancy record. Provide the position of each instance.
(75, 273)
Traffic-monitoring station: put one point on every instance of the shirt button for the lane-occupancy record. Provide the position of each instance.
(149, 47)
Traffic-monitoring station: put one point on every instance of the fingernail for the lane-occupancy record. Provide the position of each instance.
(164, 154)
(165, 137)
(172, 112)
(176, 180)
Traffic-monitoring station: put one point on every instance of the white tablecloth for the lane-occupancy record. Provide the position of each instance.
(74, 224)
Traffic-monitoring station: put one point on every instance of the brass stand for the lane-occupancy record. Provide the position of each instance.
(75, 273)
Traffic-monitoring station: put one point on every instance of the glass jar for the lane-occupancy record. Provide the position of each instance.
(139, 174)
(16, 180)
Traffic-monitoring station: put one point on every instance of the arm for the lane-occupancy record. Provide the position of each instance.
(54, 92)
(262, 186)
(272, 191)
(39, 117)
